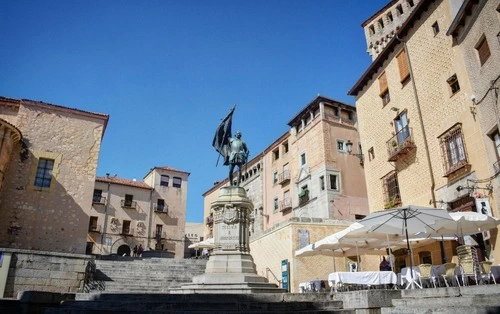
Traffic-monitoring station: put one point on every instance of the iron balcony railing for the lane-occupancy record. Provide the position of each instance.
(284, 177)
(95, 228)
(98, 199)
(128, 204)
(496, 166)
(161, 208)
(161, 235)
(127, 231)
(286, 204)
(401, 143)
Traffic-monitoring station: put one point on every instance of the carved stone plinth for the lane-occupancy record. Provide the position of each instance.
(230, 268)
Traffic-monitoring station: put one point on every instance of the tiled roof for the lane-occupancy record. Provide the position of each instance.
(115, 180)
(171, 169)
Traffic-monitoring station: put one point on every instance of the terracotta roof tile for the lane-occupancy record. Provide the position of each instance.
(121, 181)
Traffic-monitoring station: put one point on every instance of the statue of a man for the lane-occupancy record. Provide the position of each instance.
(233, 149)
(238, 156)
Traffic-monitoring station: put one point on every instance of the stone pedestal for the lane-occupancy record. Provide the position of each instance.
(230, 268)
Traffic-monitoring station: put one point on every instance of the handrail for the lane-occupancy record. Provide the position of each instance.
(268, 270)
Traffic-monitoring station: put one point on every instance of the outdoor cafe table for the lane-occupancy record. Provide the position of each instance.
(369, 278)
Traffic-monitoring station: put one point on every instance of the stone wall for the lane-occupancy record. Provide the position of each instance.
(45, 271)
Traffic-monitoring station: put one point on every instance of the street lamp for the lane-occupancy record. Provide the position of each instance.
(349, 150)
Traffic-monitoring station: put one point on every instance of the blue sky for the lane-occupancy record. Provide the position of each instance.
(167, 72)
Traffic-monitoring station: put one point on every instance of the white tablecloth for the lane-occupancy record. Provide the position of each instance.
(362, 278)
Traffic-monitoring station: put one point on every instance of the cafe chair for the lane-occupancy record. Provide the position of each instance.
(449, 273)
(425, 274)
(486, 273)
(469, 263)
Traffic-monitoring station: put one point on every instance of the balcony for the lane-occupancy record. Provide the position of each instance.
(286, 204)
(127, 231)
(161, 209)
(160, 235)
(303, 197)
(496, 166)
(210, 220)
(129, 204)
(95, 228)
(284, 178)
(400, 144)
(98, 199)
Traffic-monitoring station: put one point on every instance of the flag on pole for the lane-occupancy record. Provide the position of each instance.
(222, 135)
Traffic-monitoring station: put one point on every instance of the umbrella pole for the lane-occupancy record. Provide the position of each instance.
(357, 255)
(410, 254)
(334, 265)
(389, 251)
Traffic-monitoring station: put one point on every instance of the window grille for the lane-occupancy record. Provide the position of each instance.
(453, 150)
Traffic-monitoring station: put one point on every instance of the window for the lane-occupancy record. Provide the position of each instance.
(176, 182)
(371, 154)
(371, 30)
(126, 227)
(404, 72)
(435, 28)
(303, 159)
(287, 200)
(334, 182)
(164, 180)
(336, 111)
(160, 205)
(93, 223)
(401, 128)
(322, 183)
(399, 10)
(275, 205)
(43, 176)
(453, 149)
(381, 24)
(389, 17)
(496, 141)
(303, 195)
(453, 83)
(96, 198)
(350, 115)
(391, 190)
(285, 147)
(341, 145)
(483, 50)
(410, 3)
(158, 232)
(128, 200)
(275, 177)
(384, 89)
(276, 154)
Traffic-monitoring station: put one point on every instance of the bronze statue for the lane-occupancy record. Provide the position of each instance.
(234, 150)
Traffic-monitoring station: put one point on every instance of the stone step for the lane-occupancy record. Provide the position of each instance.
(179, 306)
(477, 309)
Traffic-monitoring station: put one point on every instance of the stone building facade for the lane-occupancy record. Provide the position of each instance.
(128, 213)
(48, 163)
(192, 234)
(304, 186)
(381, 27)
(423, 139)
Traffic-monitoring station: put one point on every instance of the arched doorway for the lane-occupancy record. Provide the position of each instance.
(123, 250)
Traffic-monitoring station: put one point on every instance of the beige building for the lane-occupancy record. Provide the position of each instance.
(423, 135)
(381, 27)
(48, 162)
(304, 186)
(193, 234)
(128, 213)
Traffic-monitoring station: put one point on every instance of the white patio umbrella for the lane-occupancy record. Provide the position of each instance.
(467, 223)
(406, 221)
(205, 244)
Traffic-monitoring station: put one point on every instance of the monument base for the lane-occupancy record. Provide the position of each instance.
(230, 268)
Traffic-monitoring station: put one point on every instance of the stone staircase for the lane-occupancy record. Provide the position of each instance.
(147, 275)
(481, 299)
(201, 303)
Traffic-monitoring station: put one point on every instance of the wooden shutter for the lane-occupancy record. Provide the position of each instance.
(483, 50)
(383, 83)
(404, 71)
